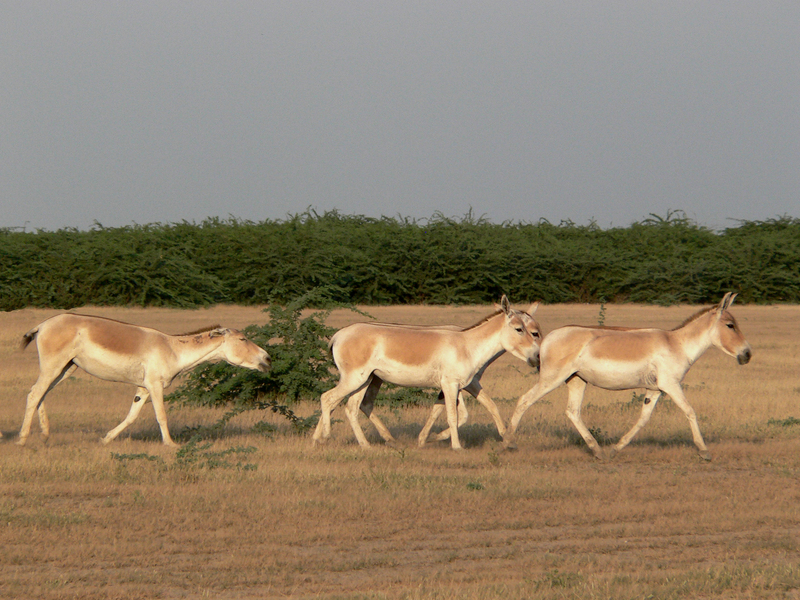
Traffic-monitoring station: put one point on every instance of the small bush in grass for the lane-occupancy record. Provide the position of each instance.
(301, 365)
(302, 369)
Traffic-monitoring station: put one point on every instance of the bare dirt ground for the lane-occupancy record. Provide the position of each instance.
(276, 518)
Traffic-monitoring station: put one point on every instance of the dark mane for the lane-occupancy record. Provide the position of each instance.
(201, 330)
(695, 316)
(483, 320)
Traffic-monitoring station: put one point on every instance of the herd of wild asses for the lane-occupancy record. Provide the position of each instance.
(449, 358)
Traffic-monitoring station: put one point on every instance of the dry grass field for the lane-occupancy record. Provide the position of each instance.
(275, 518)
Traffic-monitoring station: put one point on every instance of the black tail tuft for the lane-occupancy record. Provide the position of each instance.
(28, 338)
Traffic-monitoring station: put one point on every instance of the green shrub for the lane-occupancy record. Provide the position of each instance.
(360, 260)
(301, 364)
(302, 368)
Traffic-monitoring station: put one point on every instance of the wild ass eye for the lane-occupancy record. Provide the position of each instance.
(519, 330)
(730, 326)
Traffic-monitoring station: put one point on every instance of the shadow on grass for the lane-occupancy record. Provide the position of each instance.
(471, 435)
(571, 437)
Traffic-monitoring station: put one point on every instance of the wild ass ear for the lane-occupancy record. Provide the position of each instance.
(726, 302)
(218, 332)
(532, 308)
(505, 305)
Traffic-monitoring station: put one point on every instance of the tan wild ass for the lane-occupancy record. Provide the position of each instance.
(117, 351)
(365, 399)
(419, 357)
(617, 358)
(475, 389)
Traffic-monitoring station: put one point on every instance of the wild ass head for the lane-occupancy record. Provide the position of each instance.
(238, 350)
(725, 332)
(519, 336)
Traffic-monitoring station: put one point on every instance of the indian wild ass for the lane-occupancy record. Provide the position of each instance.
(367, 354)
(477, 392)
(117, 351)
(617, 358)
(365, 399)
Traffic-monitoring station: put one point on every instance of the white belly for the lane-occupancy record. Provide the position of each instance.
(618, 375)
(120, 370)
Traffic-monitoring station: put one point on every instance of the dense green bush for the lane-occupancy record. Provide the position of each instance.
(362, 260)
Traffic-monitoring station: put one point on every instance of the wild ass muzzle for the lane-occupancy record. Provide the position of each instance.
(619, 358)
(420, 357)
(116, 351)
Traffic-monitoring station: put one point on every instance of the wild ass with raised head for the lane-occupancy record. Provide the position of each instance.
(619, 358)
(117, 351)
(414, 357)
(365, 399)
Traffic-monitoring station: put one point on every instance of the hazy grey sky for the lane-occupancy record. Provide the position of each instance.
(156, 111)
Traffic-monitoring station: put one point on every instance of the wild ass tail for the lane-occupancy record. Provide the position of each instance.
(28, 338)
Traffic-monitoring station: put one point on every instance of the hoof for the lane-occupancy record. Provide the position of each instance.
(599, 455)
(612, 453)
(705, 455)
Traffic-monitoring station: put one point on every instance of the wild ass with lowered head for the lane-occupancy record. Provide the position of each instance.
(117, 351)
(365, 399)
(420, 357)
(618, 358)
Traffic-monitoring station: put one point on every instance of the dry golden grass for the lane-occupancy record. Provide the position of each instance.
(134, 520)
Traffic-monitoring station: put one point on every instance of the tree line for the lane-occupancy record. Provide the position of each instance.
(395, 260)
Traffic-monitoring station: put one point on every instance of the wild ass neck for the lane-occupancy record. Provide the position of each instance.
(694, 338)
(192, 350)
(484, 342)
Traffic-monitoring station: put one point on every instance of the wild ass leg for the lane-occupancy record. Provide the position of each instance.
(367, 406)
(49, 377)
(436, 410)
(365, 400)
(451, 406)
(544, 386)
(330, 400)
(44, 421)
(156, 391)
(481, 396)
(383, 431)
(139, 400)
(486, 400)
(650, 399)
(576, 387)
(676, 393)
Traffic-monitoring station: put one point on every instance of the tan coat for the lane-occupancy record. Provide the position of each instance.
(367, 354)
(117, 351)
(617, 358)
